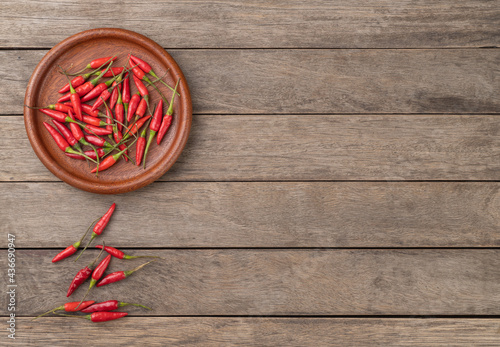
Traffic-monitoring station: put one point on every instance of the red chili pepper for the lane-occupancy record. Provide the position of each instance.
(75, 82)
(109, 305)
(114, 95)
(97, 141)
(85, 88)
(82, 276)
(119, 110)
(60, 141)
(134, 102)
(91, 154)
(134, 127)
(112, 72)
(93, 121)
(59, 116)
(58, 107)
(106, 94)
(141, 109)
(100, 225)
(69, 307)
(97, 63)
(142, 64)
(120, 255)
(101, 87)
(109, 119)
(118, 137)
(75, 100)
(167, 120)
(87, 109)
(142, 88)
(91, 129)
(154, 126)
(98, 272)
(67, 134)
(98, 317)
(120, 275)
(70, 250)
(139, 147)
(108, 162)
(147, 69)
(126, 94)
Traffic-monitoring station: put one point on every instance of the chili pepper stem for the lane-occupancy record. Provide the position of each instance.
(77, 244)
(87, 316)
(92, 283)
(140, 256)
(93, 237)
(128, 273)
(51, 311)
(121, 304)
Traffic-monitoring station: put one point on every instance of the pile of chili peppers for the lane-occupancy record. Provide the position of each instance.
(110, 126)
(99, 312)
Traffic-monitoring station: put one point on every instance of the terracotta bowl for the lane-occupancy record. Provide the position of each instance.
(73, 54)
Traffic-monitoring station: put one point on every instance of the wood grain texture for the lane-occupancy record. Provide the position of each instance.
(254, 24)
(309, 147)
(260, 214)
(315, 81)
(173, 331)
(277, 282)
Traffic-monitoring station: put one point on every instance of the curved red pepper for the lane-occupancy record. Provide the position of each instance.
(109, 305)
(97, 317)
(120, 275)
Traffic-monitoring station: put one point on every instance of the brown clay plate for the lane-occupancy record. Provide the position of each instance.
(79, 50)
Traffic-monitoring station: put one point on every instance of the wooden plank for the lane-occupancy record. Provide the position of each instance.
(315, 81)
(309, 147)
(260, 214)
(172, 331)
(255, 24)
(276, 282)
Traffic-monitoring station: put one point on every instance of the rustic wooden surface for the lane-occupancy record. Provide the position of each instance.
(340, 185)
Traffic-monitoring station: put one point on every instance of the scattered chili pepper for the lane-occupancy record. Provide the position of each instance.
(70, 250)
(120, 275)
(109, 305)
(75, 82)
(100, 225)
(82, 275)
(167, 119)
(97, 63)
(69, 307)
(120, 255)
(97, 273)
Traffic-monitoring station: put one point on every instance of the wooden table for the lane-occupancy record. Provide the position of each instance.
(340, 185)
